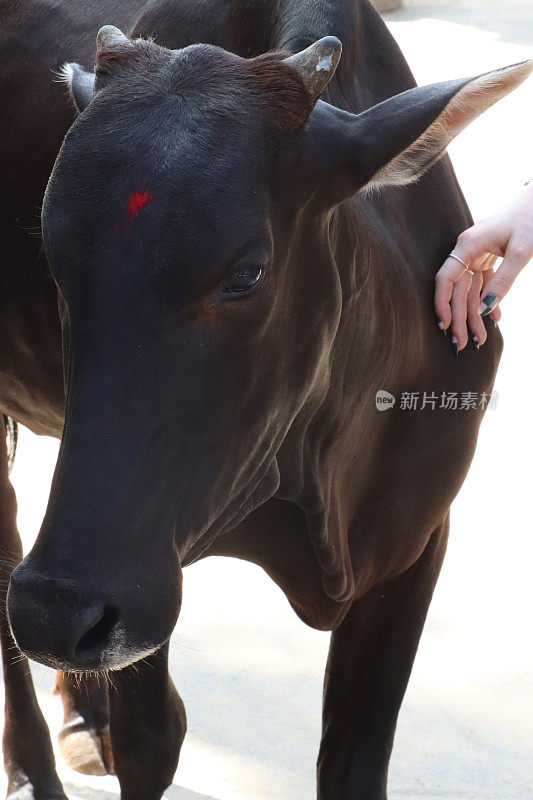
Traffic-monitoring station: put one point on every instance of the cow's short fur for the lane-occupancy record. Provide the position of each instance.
(200, 422)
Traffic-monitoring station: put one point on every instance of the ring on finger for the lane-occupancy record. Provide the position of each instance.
(460, 260)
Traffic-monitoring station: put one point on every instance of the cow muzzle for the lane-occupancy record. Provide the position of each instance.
(66, 625)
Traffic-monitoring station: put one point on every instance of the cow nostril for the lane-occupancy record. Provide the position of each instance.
(98, 636)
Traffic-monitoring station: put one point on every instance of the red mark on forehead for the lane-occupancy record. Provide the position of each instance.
(137, 201)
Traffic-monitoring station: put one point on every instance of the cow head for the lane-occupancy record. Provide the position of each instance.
(185, 224)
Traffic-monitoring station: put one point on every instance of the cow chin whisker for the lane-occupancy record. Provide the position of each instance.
(99, 674)
(114, 659)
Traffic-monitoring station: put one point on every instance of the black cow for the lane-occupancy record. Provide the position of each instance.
(241, 267)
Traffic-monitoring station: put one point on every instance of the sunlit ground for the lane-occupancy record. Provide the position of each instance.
(250, 672)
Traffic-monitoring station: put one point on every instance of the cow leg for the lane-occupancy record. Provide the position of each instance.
(369, 664)
(28, 755)
(84, 739)
(148, 724)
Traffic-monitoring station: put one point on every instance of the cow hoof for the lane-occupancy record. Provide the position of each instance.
(85, 749)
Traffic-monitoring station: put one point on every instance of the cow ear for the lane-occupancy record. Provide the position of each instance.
(395, 142)
(80, 83)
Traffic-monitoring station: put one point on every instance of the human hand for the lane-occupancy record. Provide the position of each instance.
(463, 300)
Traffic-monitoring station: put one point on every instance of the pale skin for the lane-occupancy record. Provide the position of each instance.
(464, 302)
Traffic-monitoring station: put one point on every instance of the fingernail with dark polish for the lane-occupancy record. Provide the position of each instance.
(440, 323)
(475, 340)
(455, 345)
(496, 325)
(487, 304)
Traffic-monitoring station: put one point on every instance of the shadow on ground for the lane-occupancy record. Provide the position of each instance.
(75, 792)
(176, 793)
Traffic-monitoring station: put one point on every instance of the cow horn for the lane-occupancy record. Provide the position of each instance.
(109, 36)
(317, 64)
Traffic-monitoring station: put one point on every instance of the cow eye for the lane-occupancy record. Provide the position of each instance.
(243, 280)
